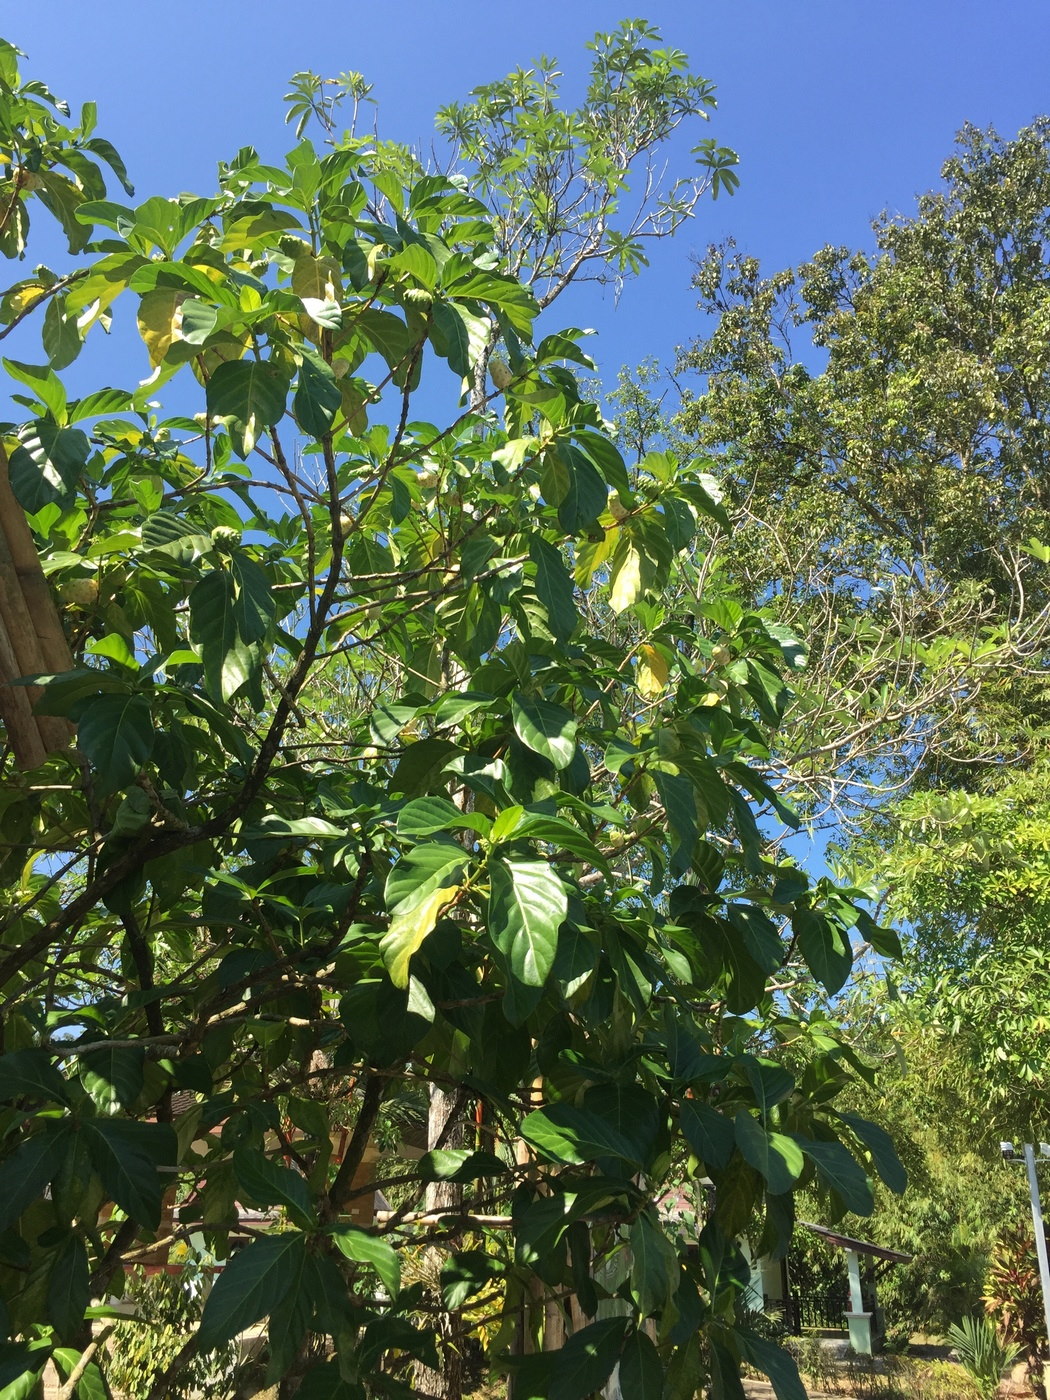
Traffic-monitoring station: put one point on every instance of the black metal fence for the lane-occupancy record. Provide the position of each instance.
(818, 1309)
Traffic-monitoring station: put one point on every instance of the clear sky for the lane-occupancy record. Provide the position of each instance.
(838, 108)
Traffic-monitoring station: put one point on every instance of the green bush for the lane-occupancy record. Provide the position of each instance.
(167, 1309)
(982, 1353)
(936, 1380)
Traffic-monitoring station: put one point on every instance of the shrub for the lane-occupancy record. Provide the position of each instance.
(936, 1380)
(167, 1309)
(982, 1353)
(1013, 1295)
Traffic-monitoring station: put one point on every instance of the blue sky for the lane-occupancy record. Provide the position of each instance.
(838, 108)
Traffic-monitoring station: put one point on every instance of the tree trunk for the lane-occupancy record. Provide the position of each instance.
(444, 1129)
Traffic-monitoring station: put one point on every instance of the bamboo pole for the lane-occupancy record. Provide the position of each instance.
(32, 640)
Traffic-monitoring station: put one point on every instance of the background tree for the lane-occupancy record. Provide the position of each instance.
(888, 473)
(293, 866)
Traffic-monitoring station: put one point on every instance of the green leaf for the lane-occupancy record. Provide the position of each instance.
(825, 946)
(47, 464)
(467, 1274)
(44, 383)
(99, 146)
(554, 587)
(29, 1074)
(838, 1168)
(252, 394)
(426, 816)
(364, 1248)
(28, 1170)
(127, 1156)
(547, 729)
(641, 1371)
(229, 660)
(459, 336)
(564, 1133)
(68, 1287)
(654, 1265)
(113, 1077)
(778, 1364)
(115, 733)
(266, 1183)
(20, 1367)
(709, 1133)
(60, 335)
(255, 608)
(308, 828)
(457, 1164)
(527, 905)
(410, 927)
(252, 1284)
(317, 397)
(778, 1158)
(389, 335)
(586, 1361)
(423, 870)
(770, 1084)
(883, 1153)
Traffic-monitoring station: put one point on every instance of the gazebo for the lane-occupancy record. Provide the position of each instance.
(771, 1288)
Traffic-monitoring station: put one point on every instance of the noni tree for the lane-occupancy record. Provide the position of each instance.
(383, 765)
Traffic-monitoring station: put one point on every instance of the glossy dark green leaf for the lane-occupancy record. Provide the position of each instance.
(468, 1274)
(229, 659)
(115, 733)
(251, 1285)
(654, 1265)
(20, 1367)
(67, 1289)
(30, 1074)
(29, 1169)
(838, 1168)
(267, 1183)
(422, 870)
(252, 394)
(778, 1158)
(527, 904)
(564, 1133)
(458, 1164)
(587, 1359)
(776, 1362)
(317, 398)
(254, 607)
(364, 1248)
(459, 336)
(770, 1083)
(709, 1133)
(47, 464)
(641, 1371)
(129, 1158)
(883, 1153)
(113, 1076)
(554, 587)
(825, 946)
(545, 728)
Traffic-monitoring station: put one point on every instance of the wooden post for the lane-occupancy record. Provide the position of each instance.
(31, 637)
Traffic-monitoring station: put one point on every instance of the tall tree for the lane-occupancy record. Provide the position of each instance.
(289, 867)
(889, 472)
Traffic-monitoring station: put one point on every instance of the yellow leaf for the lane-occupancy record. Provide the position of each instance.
(160, 320)
(591, 555)
(407, 930)
(652, 673)
(627, 581)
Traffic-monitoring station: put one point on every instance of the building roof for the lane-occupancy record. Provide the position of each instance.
(877, 1251)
